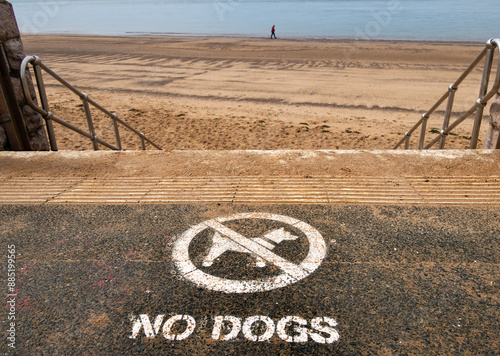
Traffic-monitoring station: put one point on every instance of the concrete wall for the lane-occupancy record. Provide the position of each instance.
(11, 41)
(493, 137)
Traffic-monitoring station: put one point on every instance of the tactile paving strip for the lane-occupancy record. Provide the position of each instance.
(253, 190)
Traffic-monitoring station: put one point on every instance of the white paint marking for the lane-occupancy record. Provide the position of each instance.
(248, 332)
(319, 325)
(167, 327)
(143, 322)
(221, 244)
(302, 332)
(264, 243)
(291, 269)
(258, 328)
(227, 239)
(219, 323)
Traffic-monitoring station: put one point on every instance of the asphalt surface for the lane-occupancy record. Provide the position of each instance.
(101, 280)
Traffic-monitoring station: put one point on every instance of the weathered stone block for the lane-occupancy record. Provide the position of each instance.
(18, 90)
(15, 53)
(8, 24)
(3, 138)
(32, 119)
(36, 129)
(493, 136)
(39, 141)
(495, 113)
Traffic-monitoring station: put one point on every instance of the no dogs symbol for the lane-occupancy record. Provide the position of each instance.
(248, 253)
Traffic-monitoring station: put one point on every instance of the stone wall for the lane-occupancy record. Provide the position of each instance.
(10, 39)
(493, 137)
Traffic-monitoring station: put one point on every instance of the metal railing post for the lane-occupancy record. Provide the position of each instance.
(446, 122)
(482, 93)
(45, 104)
(117, 131)
(407, 140)
(422, 131)
(90, 123)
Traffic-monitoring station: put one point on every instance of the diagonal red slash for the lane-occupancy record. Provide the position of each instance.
(288, 267)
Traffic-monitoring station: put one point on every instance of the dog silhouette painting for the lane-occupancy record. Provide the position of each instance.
(222, 244)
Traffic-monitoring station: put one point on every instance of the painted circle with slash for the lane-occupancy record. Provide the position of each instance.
(248, 252)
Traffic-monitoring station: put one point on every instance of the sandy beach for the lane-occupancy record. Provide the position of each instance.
(212, 93)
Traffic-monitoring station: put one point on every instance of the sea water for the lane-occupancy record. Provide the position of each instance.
(442, 20)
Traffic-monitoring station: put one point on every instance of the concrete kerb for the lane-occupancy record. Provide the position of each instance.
(299, 163)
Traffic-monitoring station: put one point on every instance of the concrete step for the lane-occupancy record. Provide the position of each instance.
(252, 177)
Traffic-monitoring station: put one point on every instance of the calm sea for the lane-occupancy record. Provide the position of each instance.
(449, 20)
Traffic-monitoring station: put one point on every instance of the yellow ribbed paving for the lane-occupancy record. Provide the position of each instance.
(189, 190)
(33, 190)
(458, 190)
(107, 191)
(252, 190)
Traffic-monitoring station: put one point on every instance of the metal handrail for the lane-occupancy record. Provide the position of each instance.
(49, 116)
(478, 107)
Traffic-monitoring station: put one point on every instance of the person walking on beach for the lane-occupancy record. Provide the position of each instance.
(272, 32)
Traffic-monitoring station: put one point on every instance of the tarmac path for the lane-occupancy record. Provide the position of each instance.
(332, 279)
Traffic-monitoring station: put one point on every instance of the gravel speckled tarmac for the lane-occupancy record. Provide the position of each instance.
(100, 280)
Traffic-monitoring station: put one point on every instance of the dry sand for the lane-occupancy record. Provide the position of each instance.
(206, 93)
